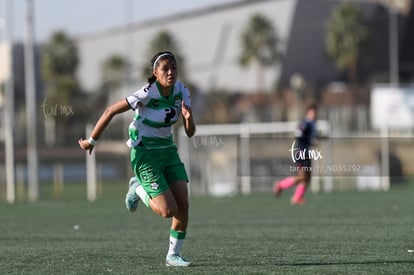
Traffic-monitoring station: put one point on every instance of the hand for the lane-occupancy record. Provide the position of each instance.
(185, 110)
(85, 145)
(189, 125)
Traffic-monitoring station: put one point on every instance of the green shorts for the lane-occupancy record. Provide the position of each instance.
(157, 168)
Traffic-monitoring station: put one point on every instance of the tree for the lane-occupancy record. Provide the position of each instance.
(346, 37)
(63, 97)
(60, 61)
(259, 45)
(114, 70)
(164, 41)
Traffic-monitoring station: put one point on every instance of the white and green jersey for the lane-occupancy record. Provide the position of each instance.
(154, 115)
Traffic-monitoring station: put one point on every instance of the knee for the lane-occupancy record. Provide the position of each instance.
(174, 210)
(169, 212)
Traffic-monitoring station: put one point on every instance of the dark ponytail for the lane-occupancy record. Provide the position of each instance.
(154, 62)
(151, 79)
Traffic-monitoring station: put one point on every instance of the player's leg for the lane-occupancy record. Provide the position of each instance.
(151, 186)
(160, 200)
(132, 198)
(178, 225)
(173, 202)
(180, 192)
(286, 183)
(304, 174)
(177, 178)
(171, 195)
(164, 204)
(154, 191)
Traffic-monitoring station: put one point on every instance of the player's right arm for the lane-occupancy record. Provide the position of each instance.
(300, 130)
(116, 108)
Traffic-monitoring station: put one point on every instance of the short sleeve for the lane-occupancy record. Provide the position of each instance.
(186, 97)
(140, 96)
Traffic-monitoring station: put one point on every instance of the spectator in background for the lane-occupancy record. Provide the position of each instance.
(304, 134)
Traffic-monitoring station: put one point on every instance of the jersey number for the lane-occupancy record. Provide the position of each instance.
(169, 114)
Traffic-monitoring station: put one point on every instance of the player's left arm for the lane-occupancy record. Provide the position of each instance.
(187, 113)
(189, 125)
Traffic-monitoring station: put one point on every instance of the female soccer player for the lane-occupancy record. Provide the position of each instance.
(161, 179)
(305, 133)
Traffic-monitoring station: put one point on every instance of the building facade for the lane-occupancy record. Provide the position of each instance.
(209, 39)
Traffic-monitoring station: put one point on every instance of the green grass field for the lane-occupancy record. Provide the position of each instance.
(337, 233)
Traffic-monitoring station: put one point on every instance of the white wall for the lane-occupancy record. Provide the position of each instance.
(198, 33)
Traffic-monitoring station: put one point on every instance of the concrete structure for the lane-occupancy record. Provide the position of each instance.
(209, 39)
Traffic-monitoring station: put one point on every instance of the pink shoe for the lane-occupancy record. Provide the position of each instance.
(277, 190)
(300, 201)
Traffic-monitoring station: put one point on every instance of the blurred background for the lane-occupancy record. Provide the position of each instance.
(251, 67)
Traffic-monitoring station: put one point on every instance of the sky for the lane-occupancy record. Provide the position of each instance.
(78, 17)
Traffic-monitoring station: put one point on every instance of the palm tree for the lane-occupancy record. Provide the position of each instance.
(259, 45)
(59, 64)
(164, 41)
(114, 70)
(63, 97)
(346, 37)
